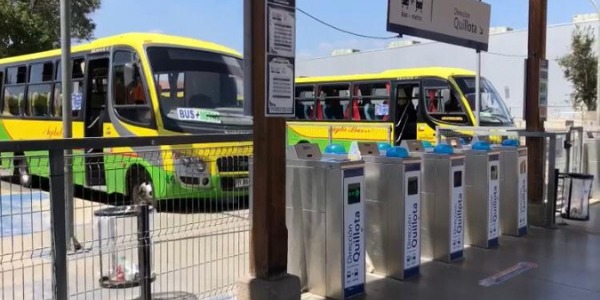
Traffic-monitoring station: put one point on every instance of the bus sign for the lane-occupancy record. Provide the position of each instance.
(460, 22)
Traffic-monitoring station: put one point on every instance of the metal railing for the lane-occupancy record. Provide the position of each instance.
(563, 151)
(191, 242)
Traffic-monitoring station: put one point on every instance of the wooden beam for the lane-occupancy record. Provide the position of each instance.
(536, 52)
(268, 249)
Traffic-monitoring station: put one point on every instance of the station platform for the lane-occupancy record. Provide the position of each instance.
(567, 263)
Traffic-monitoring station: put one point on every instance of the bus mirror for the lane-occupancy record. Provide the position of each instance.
(128, 72)
(445, 95)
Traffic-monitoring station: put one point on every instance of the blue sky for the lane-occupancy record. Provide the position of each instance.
(221, 21)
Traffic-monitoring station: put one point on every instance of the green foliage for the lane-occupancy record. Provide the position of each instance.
(580, 67)
(28, 26)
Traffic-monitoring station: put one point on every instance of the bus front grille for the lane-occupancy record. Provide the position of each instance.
(233, 164)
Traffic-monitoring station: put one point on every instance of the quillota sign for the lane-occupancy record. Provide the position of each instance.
(459, 22)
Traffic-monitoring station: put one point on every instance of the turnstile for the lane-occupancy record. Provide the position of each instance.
(513, 190)
(393, 207)
(443, 206)
(482, 170)
(325, 219)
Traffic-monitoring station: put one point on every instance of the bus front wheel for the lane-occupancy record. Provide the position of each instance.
(22, 171)
(139, 186)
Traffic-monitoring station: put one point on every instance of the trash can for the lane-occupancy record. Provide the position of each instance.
(119, 245)
(576, 192)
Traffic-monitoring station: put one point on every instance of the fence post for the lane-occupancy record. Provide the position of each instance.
(58, 223)
(551, 188)
(144, 251)
(330, 134)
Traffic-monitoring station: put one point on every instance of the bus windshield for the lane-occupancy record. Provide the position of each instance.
(493, 111)
(198, 90)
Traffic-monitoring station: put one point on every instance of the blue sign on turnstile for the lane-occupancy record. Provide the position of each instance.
(412, 214)
(457, 213)
(354, 240)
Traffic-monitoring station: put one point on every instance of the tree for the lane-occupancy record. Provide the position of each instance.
(28, 26)
(580, 67)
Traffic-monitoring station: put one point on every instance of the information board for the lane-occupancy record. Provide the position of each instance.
(280, 58)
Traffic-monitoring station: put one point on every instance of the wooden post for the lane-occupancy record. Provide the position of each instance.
(536, 52)
(268, 249)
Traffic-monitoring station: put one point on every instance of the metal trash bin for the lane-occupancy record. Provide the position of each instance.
(118, 235)
(576, 193)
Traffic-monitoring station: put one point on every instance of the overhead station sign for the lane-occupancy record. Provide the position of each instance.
(460, 22)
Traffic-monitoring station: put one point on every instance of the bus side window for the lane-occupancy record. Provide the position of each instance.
(129, 92)
(1, 86)
(14, 91)
(374, 101)
(305, 102)
(39, 90)
(334, 99)
(77, 74)
(441, 102)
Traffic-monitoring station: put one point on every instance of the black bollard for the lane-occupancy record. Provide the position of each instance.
(144, 254)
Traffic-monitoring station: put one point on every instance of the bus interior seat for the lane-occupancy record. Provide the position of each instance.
(369, 110)
(307, 112)
(333, 110)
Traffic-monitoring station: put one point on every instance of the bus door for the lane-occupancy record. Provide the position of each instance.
(442, 106)
(95, 115)
(405, 119)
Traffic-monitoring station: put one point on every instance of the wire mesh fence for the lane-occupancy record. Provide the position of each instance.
(171, 219)
(25, 261)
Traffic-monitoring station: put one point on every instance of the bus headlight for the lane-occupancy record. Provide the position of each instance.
(193, 163)
(191, 170)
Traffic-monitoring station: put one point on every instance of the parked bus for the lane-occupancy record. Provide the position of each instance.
(391, 106)
(134, 84)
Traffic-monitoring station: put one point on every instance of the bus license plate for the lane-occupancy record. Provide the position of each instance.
(242, 182)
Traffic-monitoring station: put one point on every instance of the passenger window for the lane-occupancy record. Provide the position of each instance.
(16, 75)
(305, 102)
(14, 92)
(56, 110)
(441, 102)
(333, 101)
(130, 98)
(14, 101)
(39, 92)
(1, 85)
(39, 100)
(41, 72)
(371, 102)
(77, 72)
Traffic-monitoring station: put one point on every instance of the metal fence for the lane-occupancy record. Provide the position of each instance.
(171, 219)
(563, 152)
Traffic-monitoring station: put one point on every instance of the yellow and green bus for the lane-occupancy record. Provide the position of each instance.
(391, 106)
(134, 84)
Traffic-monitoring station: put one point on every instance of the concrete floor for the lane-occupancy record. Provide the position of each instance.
(567, 258)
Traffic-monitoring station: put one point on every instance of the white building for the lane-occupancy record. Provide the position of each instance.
(503, 64)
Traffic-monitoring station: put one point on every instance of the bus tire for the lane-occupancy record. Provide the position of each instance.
(22, 170)
(139, 185)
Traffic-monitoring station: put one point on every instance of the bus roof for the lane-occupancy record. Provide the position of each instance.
(390, 74)
(133, 39)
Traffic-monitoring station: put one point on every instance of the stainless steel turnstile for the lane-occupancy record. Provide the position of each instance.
(513, 190)
(393, 203)
(443, 206)
(482, 170)
(325, 219)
